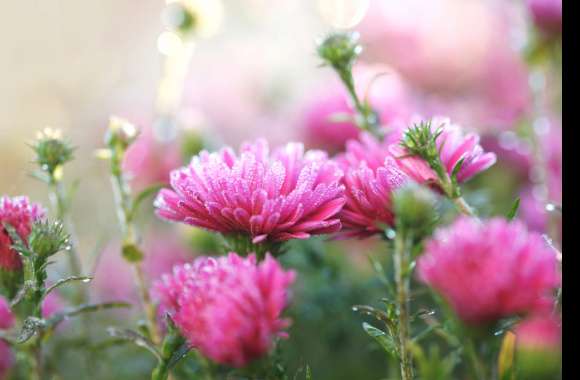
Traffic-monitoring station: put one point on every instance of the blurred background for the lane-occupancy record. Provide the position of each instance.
(250, 69)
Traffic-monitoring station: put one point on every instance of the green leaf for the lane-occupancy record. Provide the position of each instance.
(308, 372)
(30, 327)
(132, 253)
(178, 354)
(385, 340)
(144, 194)
(456, 170)
(86, 308)
(64, 281)
(514, 209)
(136, 338)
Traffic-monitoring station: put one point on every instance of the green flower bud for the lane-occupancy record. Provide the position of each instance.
(340, 50)
(415, 209)
(120, 133)
(52, 152)
(48, 238)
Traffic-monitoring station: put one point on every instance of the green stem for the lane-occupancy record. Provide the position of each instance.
(476, 366)
(124, 202)
(58, 201)
(401, 258)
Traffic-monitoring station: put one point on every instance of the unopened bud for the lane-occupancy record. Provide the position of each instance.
(340, 50)
(415, 209)
(121, 133)
(52, 152)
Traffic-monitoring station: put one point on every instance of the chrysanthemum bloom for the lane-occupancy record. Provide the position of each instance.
(6, 322)
(454, 145)
(20, 214)
(371, 176)
(489, 271)
(547, 14)
(228, 307)
(286, 194)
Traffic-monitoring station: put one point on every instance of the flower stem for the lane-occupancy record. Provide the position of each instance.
(401, 258)
(476, 365)
(124, 202)
(58, 201)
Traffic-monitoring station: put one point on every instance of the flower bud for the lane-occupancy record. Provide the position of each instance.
(48, 238)
(52, 152)
(121, 133)
(340, 50)
(415, 209)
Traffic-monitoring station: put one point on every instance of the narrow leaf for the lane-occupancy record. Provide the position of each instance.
(385, 340)
(64, 281)
(136, 338)
(178, 354)
(144, 194)
(514, 209)
(505, 360)
(86, 308)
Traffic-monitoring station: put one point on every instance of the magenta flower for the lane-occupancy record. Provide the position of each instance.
(539, 333)
(228, 307)
(19, 213)
(371, 175)
(490, 271)
(286, 194)
(547, 14)
(6, 322)
(454, 146)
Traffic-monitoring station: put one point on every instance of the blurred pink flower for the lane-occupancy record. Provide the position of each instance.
(6, 316)
(228, 307)
(113, 277)
(19, 213)
(547, 14)
(371, 175)
(534, 198)
(286, 194)
(52, 304)
(149, 160)
(454, 146)
(539, 333)
(380, 84)
(6, 322)
(511, 151)
(6, 359)
(489, 271)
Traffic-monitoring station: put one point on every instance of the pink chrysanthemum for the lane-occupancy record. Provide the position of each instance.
(228, 307)
(19, 213)
(286, 194)
(490, 271)
(6, 316)
(539, 333)
(454, 145)
(371, 175)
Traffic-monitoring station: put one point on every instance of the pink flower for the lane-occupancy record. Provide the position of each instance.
(228, 307)
(150, 161)
(371, 175)
(19, 213)
(6, 316)
(286, 194)
(490, 271)
(6, 322)
(454, 146)
(113, 279)
(539, 333)
(547, 14)
(6, 359)
(384, 90)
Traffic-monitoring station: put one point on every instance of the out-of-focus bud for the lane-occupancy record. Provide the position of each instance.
(52, 152)
(48, 238)
(343, 14)
(187, 18)
(539, 348)
(415, 209)
(120, 133)
(340, 50)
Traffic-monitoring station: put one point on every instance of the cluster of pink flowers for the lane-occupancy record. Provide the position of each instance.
(228, 307)
(19, 213)
(491, 270)
(275, 196)
(454, 146)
